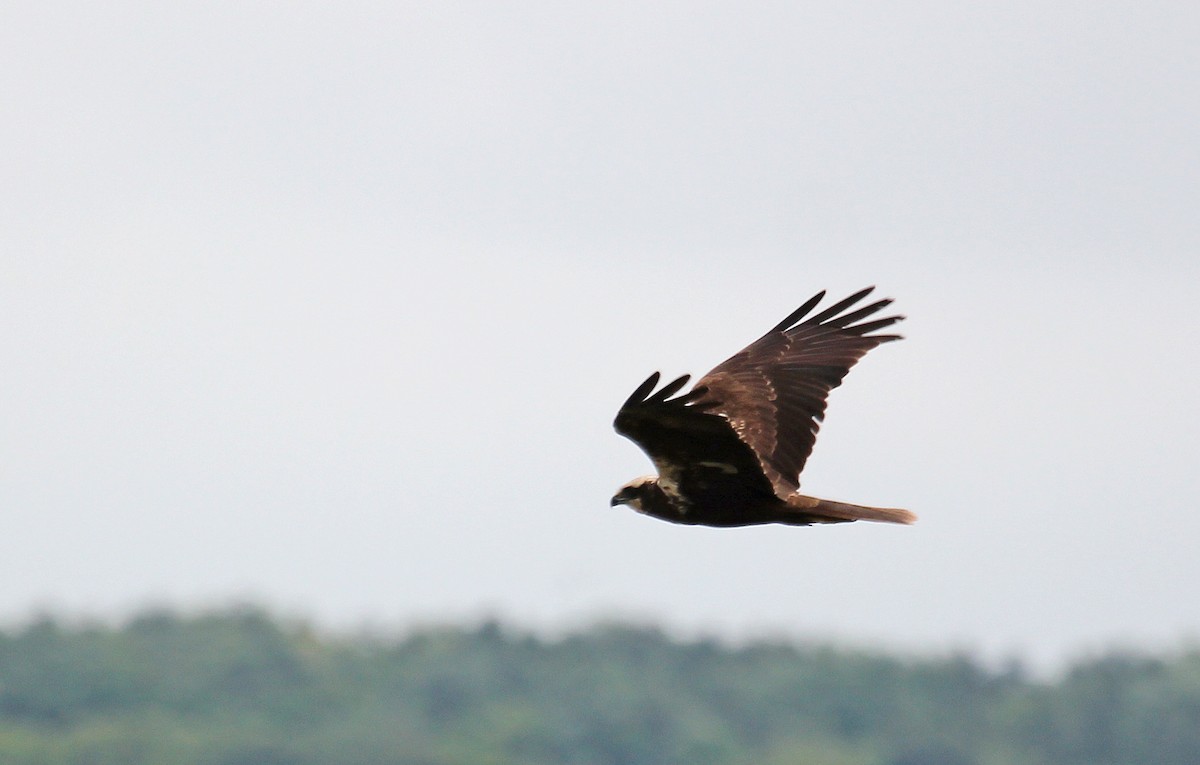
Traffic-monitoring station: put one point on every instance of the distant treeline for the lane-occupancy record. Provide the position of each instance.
(242, 688)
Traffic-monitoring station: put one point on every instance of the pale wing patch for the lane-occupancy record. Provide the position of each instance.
(668, 481)
(724, 467)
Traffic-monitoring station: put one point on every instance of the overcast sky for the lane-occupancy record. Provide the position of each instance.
(329, 307)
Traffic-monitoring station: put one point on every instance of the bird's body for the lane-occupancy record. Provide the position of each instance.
(729, 452)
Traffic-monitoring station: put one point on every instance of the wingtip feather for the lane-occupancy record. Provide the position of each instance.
(671, 388)
(642, 391)
(799, 313)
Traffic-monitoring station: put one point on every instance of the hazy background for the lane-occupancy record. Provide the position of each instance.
(330, 307)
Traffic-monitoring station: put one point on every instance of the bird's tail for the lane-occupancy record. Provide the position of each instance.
(828, 511)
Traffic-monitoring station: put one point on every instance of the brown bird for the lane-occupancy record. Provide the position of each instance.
(729, 452)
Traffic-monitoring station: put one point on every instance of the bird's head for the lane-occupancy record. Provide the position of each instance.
(633, 492)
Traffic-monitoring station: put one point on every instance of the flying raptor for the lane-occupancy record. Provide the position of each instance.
(729, 452)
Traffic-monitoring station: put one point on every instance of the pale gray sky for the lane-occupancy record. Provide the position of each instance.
(330, 306)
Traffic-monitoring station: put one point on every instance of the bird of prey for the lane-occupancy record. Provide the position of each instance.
(729, 452)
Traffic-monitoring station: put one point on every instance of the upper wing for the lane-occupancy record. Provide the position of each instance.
(691, 445)
(773, 392)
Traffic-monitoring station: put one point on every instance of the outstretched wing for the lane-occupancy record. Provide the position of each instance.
(692, 446)
(773, 392)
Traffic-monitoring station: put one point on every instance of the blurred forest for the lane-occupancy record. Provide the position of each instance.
(241, 687)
